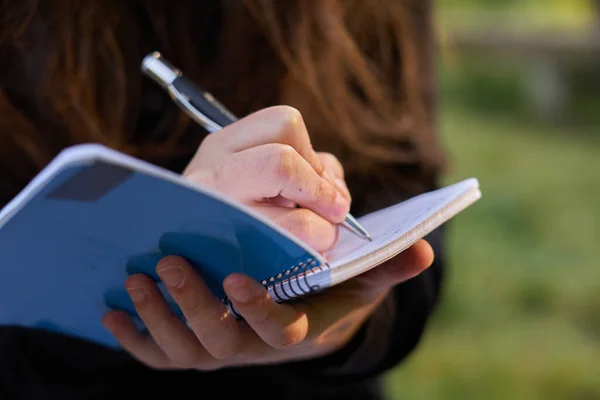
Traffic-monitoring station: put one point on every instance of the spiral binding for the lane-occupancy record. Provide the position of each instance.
(298, 272)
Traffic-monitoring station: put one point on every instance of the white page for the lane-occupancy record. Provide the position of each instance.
(400, 225)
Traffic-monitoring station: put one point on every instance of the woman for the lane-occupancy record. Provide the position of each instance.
(360, 75)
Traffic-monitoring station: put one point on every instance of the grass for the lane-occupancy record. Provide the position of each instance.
(520, 317)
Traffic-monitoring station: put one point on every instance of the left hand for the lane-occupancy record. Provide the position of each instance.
(270, 332)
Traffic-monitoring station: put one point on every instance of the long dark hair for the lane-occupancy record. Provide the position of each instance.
(360, 71)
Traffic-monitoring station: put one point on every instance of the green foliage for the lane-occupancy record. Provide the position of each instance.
(520, 313)
(520, 316)
(502, 87)
(476, 83)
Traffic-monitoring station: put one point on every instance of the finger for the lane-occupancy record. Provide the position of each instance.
(334, 172)
(343, 309)
(280, 201)
(168, 330)
(278, 325)
(278, 124)
(331, 164)
(273, 170)
(406, 265)
(307, 226)
(143, 348)
(207, 316)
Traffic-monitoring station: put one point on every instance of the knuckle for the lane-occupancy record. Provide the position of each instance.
(209, 141)
(285, 161)
(291, 125)
(193, 308)
(290, 117)
(323, 192)
(210, 176)
(261, 316)
(303, 223)
(285, 124)
(215, 142)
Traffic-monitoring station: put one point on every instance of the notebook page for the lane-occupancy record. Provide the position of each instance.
(396, 222)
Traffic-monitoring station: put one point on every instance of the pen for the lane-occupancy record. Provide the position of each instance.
(201, 106)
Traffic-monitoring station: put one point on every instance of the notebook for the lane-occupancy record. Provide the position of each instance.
(94, 216)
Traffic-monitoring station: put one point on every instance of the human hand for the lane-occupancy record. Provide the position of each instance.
(266, 161)
(269, 333)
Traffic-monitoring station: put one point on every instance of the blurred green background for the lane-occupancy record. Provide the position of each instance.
(520, 110)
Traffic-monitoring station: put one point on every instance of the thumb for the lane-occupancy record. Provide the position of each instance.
(406, 265)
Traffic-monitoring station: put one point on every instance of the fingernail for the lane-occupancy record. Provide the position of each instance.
(242, 292)
(136, 294)
(172, 276)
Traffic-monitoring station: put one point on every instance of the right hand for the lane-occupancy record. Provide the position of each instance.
(266, 161)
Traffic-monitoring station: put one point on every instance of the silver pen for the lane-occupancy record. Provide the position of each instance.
(202, 107)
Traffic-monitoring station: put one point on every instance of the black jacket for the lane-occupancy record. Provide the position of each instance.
(38, 365)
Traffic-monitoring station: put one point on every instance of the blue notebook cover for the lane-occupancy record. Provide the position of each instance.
(94, 216)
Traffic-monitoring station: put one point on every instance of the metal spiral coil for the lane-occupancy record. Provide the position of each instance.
(277, 283)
